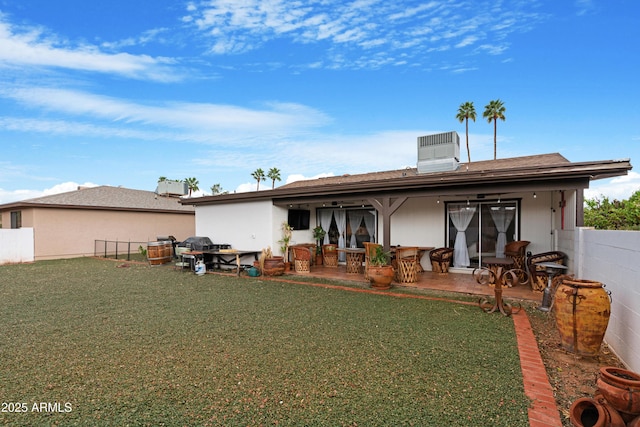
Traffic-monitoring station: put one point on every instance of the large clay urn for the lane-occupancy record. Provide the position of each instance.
(582, 310)
(621, 388)
(273, 266)
(381, 276)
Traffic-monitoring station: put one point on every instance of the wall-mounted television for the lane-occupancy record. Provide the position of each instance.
(299, 219)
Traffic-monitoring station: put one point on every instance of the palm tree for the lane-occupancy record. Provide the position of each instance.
(258, 175)
(192, 183)
(494, 110)
(465, 112)
(274, 174)
(216, 189)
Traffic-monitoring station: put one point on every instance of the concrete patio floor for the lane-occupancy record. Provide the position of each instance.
(451, 282)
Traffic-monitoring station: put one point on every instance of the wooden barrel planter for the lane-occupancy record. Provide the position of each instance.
(156, 253)
(273, 266)
(582, 310)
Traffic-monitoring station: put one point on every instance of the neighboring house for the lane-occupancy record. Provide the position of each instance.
(475, 208)
(68, 224)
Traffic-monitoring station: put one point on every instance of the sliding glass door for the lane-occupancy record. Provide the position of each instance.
(481, 229)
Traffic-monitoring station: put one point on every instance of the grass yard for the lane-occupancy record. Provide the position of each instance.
(104, 345)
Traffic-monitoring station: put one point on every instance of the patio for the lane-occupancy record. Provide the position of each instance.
(450, 282)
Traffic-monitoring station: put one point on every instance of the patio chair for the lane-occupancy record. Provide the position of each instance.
(407, 264)
(441, 259)
(301, 259)
(516, 250)
(369, 251)
(538, 276)
(330, 255)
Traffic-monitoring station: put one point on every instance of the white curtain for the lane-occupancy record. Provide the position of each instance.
(461, 217)
(325, 223)
(341, 221)
(502, 219)
(370, 223)
(355, 218)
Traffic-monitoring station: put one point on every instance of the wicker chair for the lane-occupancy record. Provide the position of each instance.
(407, 263)
(301, 259)
(330, 255)
(517, 250)
(538, 277)
(369, 251)
(441, 259)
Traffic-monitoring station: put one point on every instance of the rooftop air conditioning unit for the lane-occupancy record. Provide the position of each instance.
(172, 188)
(439, 152)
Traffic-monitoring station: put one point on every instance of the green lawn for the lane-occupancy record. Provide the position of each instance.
(104, 345)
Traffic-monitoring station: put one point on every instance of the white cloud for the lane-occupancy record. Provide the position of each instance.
(235, 27)
(619, 188)
(33, 47)
(196, 121)
(18, 195)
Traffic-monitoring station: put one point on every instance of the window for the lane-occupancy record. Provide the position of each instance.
(16, 219)
(481, 229)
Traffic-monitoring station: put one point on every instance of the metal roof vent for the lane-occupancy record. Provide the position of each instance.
(439, 152)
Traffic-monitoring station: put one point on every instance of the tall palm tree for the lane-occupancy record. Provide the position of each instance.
(465, 112)
(274, 174)
(258, 175)
(192, 184)
(494, 110)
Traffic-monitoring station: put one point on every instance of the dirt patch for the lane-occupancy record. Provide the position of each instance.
(571, 376)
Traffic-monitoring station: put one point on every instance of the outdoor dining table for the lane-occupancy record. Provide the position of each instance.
(497, 270)
(355, 258)
(229, 257)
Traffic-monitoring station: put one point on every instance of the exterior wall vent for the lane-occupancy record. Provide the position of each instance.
(169, 187)
(439, 152)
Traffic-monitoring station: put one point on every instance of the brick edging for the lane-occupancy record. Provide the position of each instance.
(543, 411)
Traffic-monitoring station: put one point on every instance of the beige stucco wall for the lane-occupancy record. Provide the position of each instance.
(66, 233)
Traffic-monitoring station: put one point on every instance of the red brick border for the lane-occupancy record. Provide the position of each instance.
(543, 411)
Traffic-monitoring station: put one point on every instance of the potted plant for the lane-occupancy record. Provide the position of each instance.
(285, 242)
(318, 235)
(380, 272)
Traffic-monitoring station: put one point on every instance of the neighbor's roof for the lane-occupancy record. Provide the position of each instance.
(106, 198)
(537, 172)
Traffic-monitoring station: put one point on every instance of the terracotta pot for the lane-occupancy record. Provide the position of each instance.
(587, 412)
(273, 266)
(319, 259)
(634, 422)
(380, 277)
(582, 310)
(621, 389)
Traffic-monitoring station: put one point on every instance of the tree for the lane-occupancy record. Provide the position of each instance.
(465, 112)
(494, 110)
(258, 175)
(274, 174)
(605, 214)
(192, 184)
(217, 189)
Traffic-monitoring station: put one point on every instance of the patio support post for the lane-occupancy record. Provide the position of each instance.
(386, 208)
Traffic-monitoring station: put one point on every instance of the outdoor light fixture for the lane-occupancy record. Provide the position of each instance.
(534, 195)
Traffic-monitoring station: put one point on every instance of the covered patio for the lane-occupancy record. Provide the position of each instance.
(450, 282)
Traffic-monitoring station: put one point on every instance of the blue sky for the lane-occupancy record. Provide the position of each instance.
(123, 92)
